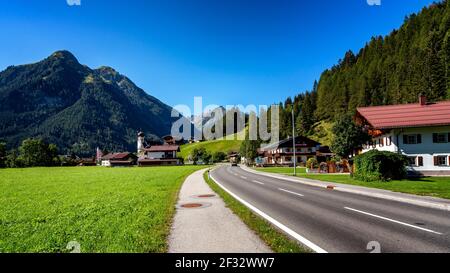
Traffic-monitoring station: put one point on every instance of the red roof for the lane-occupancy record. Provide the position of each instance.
(117, 156)
(407, 115)
(163, 148)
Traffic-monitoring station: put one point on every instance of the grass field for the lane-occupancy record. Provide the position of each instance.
(211, 146)
(429, 186)
(106, 210)
(276, 240)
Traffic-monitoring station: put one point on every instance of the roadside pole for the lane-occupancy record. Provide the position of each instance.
(293, 142)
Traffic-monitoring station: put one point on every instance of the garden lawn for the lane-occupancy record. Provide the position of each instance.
(429, 186)
(106, 210)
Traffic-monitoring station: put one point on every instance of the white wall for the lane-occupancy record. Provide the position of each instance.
(106, 163)
(158, 155)
(427, 149)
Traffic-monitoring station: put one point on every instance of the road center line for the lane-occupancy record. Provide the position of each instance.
(243, 177)
(291, 192)
(257, 182)
(393, 221)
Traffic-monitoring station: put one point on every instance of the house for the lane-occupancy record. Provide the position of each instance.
(158, 155)
(119, 160)
(282, 153)
(421, 131)
(88, 162)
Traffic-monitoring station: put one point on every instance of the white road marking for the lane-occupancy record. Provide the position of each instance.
(243, 177)
(257, 182)
(393, 221)
(291, 192)
(284, 228)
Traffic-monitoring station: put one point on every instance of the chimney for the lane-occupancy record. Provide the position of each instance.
(422, 100)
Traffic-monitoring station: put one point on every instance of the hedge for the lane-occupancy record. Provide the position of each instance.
(380, 166)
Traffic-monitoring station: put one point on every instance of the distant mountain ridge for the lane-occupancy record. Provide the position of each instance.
(76, 107)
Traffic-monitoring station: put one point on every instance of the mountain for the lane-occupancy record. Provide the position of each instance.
(76, 107)
(395, 69)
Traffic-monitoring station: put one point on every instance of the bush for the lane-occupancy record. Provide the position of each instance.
(312, 163)
(218, 157)
(200, 154)
(380, 166)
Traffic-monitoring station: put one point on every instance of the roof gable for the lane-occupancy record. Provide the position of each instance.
(407, 115)
(287, 143)
(163, 148)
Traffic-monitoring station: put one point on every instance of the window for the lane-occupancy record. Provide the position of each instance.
(374, 144)
(412, 161)
(412, 139)
(415, 161)
(389, 141)
(288, 159)
(441, 138)
(440, 161)
(420, 161)
(381, 142)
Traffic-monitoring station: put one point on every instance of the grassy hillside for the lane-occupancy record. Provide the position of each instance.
(105, 210)
(211, 146)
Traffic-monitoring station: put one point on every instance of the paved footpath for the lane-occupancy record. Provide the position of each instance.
(214, 229)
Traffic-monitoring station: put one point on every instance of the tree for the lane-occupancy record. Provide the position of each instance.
(206, 157)
(347, 136)
(2, 154)
(36, 153)
(12, 160)
(436, 70)
(202, 154)
(218, 157)
(249, 149)
(305, 120)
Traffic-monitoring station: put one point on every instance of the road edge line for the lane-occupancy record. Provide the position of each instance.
(284, 228)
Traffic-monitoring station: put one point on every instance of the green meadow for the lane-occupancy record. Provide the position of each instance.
(105, 210)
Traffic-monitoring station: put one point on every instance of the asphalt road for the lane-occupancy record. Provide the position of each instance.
(341, 222)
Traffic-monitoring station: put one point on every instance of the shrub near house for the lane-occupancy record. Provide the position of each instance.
(380, 166)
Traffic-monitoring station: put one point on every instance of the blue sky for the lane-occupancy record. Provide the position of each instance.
(228, 51)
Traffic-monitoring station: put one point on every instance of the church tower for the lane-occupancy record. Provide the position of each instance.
(140, 144)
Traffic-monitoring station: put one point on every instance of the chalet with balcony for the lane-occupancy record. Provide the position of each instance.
(282, 153)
